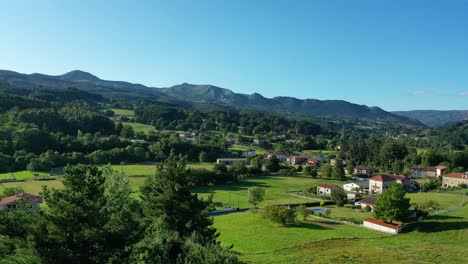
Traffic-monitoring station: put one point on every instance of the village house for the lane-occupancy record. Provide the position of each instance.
(367, 202)
(250, 153)
(280, 156)
(357, 187)
(312, 162)
(231, 161)
(297, 160)
(362, 170)
(382, 226)
(379, 182)
(11, 202)
(326, 189)
(335, 161)
(455, 179)
(427, 172)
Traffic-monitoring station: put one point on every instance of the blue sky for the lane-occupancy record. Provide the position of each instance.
(399, 55)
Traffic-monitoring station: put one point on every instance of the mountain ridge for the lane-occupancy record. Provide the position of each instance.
(200, 93)
(435, 118)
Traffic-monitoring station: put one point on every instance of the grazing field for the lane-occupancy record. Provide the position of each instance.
(23, 175)
(34, 187)
(276, 187)
(438, 239)
(139, 127)
(132, 170)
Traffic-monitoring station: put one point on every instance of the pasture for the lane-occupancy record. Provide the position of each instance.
(23, 175)
(438, 239)
(139, 127)
(278, 190)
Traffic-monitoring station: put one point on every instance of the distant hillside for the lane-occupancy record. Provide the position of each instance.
(435, 118)
(334, 109)
(313, 107)
(83, 81)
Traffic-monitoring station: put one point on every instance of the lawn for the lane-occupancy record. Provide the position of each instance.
(347, 212)
(22, 175)
(139, 127)
(438, 239)
(276, 190)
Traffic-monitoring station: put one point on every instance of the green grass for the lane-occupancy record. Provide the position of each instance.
(139, 127)
(123, 112)
(444, 200)
(348, 212)
(34, 187)
(438, 239)
(132, 170)
(22, 175)
(318, 151)
(276, 190)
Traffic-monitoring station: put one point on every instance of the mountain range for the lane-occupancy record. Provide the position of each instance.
(435, 118)
(206, 94)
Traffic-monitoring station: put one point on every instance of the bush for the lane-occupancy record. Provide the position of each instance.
(322, 203)
(279, 214)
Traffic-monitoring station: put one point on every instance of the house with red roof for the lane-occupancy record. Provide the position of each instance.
(383, 226)
(312, 162)
(455, 179)
(280, 156)
(326, 189)
(427, 172)
(297, 160)
(379, 182)
(11, 202)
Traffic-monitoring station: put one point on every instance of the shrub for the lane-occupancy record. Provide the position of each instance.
(279, 214)
(322, 203)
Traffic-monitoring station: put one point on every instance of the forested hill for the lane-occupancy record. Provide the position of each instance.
(201, 93)
(435, 118)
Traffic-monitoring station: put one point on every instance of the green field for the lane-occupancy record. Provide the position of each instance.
(22, 175)
(444, 200)
(33, 187)
(439, 239)
(123, 112)
(276, 190)
(139, 127)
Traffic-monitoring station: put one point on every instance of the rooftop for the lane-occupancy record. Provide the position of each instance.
(382, 223)
(387, 177)
(327, 185)
(14, 198)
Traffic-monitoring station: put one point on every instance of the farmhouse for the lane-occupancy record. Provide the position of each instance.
(356, 186)
(367, 202)
(382, 226)
(326, 189)
(296, 160)
(281, 156)
(379, 182)
(455, 179)
(230, 161)
(427, 172)
(11, 201)
(362, 170)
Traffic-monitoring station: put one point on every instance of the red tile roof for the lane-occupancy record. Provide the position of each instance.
(14, 198)
(387, 177)
(459, 175)
(382, 223)
(327, 185)
(441, 167)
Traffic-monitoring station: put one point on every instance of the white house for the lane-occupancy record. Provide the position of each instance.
(378, 183)
(356, 186)
(427, 172)
(382, 226)
(362, 170)
(326, 189)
